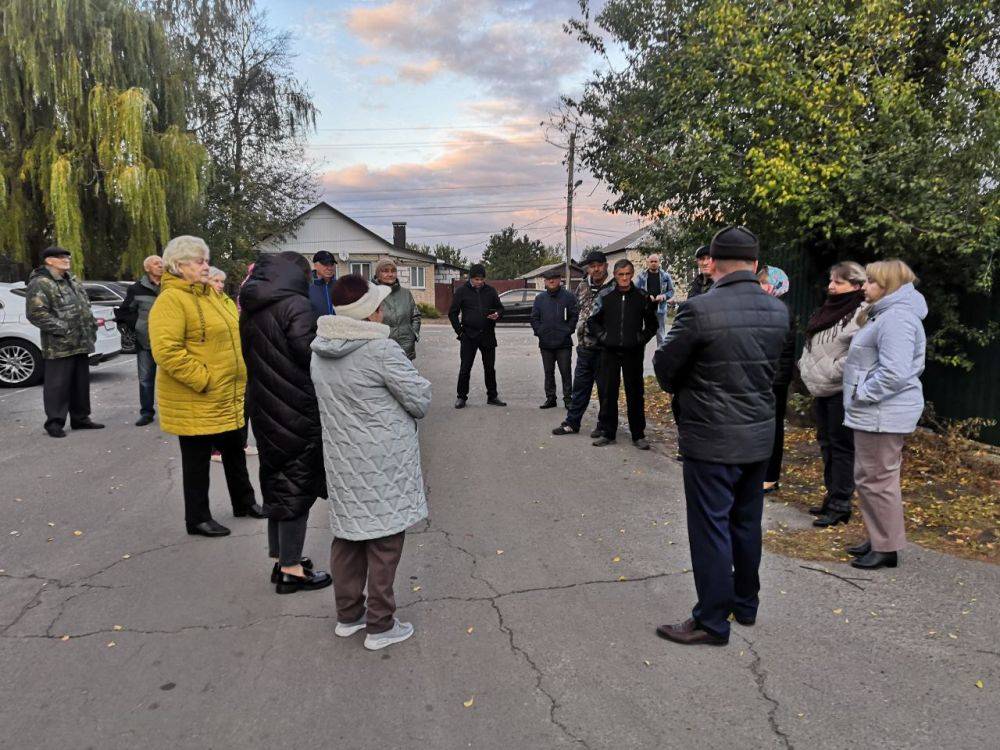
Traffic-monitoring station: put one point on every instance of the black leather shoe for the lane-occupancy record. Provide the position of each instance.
(860, 550)
(745, 621)
(55, 431)
(818, 510)
(874, 560)
(143, 421)
(832, 518)
(495, 401)
(208, 528)
(689, 634)
(550, 403)
(565, 429)
(254, 510)
(460, 403)
(313, 580)
(642, 444)
(598, 432)
(305, 562)
(87, 424)
(602, 441)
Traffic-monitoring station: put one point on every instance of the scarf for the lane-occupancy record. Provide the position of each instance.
(838, 308)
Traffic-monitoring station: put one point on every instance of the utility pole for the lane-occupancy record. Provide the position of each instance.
(570, 189)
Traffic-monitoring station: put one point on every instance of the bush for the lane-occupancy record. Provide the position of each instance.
(428, 310)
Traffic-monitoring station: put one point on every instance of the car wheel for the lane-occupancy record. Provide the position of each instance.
(128, 339)
(21, 364)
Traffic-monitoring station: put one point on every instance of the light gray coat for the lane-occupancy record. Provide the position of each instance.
(370, 397)
(882, 389)
(822, 363)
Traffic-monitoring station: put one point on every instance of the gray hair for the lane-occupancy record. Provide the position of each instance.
(850, 272)
(149, 259)
(214, 272)
(183, 249)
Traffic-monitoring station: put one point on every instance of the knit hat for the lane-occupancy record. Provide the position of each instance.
(734, 243)
(353, 297)
(701, 252)
(384, 264)
(477, 270)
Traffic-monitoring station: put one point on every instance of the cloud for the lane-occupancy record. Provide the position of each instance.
(515, 49)
(420, 72)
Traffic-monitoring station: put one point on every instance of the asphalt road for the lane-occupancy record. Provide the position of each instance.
(534, 590)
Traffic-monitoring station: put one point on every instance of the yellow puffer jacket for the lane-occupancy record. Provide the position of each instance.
(200, 378)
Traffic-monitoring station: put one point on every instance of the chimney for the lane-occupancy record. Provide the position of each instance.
(399, 234)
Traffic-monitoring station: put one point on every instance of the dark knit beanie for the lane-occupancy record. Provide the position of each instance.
(348, 289)
(477, 270)
(734, 243)
(701, 252)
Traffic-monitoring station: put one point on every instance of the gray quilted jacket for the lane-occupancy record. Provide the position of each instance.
(370, 397)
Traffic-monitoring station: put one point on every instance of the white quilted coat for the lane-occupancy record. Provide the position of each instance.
(370, 397)
(822, 363)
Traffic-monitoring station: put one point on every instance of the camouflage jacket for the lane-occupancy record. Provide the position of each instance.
(61, 309)
(586, 296)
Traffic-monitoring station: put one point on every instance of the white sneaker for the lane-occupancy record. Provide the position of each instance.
(250, 450)
(399, 632)
(345, 629)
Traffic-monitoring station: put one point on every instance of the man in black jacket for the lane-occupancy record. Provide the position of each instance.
(134, 311)
(553, 319)
(718, 360)
(624, 321)
(474, 312)
(703, 279)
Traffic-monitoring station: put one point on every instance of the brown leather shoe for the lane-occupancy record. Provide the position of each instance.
(689, 634)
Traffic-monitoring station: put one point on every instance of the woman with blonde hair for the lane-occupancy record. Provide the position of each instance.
(828, 337)
(200, 382)
(883, 400)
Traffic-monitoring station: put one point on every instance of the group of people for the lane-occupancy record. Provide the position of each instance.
(321, 367)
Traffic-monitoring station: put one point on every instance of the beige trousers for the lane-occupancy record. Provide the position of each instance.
(877, 460)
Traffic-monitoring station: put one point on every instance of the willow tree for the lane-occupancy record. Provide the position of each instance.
(94, 154)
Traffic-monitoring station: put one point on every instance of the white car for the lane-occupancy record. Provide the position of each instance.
(21, 361)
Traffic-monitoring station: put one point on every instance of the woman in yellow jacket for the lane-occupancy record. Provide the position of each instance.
(200, 382)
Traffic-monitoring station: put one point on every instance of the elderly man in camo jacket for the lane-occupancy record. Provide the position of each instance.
(588, 350)
(57, 304)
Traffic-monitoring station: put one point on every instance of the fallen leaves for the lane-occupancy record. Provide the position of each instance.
(469, 703)
(78, 533)
(979, 684)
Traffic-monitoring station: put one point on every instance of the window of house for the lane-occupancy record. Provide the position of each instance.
(364, 270)
(417, 277)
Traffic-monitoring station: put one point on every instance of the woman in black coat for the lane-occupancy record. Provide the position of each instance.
(277, 326)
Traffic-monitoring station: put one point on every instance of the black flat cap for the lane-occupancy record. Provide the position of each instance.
(554, 273)
(734, 243)
(595, 256)
(701, 252)
(325, 257)
(55, 252)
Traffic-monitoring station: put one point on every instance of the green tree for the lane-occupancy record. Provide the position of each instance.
(251, 113)
(507, 256)
(94, 149)
(450, 254)
(848, 129)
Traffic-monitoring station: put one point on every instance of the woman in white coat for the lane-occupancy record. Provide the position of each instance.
(370, 397)
(828, 337)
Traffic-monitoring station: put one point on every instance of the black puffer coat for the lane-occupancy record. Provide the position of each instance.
(277, 326)
(719, 359)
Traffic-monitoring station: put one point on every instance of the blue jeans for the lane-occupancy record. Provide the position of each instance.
(724, 507)
(147, 380)
(588, 362)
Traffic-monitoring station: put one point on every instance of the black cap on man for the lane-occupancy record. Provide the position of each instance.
(734, 243)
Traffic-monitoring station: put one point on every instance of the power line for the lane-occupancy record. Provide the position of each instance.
(426, 144)
(451, 187)
(415, 127)
(423, 237)
(516, 229)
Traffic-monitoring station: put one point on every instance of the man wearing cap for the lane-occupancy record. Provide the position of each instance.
(474, 312)
(56, 303)
(659, 287)
(718, 361)
(324, 276)
(588, 349)
(703, 280)
(553, 319)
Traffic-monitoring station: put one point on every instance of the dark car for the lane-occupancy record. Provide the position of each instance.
(517, 305)
(112, 294)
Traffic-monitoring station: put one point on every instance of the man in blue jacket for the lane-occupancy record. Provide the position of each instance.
(553, 319)
(324, 276)
(659, 287)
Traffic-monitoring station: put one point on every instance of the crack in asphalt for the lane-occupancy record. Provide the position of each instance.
(760, 676)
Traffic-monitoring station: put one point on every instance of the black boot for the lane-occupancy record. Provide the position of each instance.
(874, 560)
(860, 550)
(550, 403)
(832, 518)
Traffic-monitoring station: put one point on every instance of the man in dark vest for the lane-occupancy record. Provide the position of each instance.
(134, 311)
(718, 361)
(474, 312)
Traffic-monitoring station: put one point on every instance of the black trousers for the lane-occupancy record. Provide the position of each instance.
(778, 452)
(285, 539)
(563, 358)
(724, 507)
(617, 368)
(836, 444)
(196, 464)
(66, 390)
(588, 363)
(469, 347)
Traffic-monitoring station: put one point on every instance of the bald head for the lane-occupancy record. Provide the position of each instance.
(653, 262)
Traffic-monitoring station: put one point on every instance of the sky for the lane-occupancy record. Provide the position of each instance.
(430, 112)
